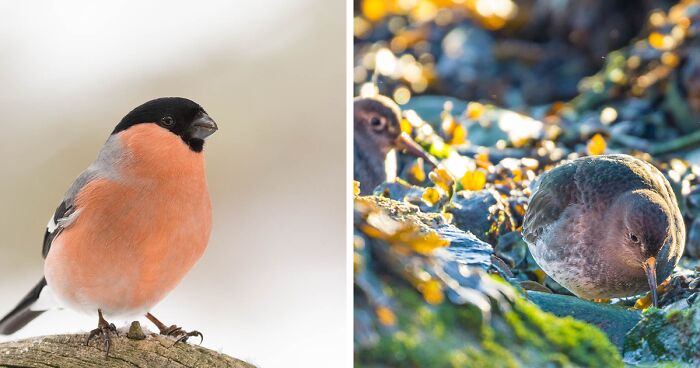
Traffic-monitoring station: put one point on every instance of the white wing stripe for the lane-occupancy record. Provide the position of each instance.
(52, 225)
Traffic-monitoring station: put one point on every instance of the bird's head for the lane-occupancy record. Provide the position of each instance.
(377, 129)
(647, 231)
(180, 116)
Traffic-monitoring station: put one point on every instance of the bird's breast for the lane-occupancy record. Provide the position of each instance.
(135, 237)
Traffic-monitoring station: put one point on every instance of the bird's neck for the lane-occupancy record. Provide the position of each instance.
(153, 152)
(369, 168)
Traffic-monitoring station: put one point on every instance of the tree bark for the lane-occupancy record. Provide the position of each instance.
(70, 351)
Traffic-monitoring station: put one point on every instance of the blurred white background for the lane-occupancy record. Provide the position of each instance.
(271, 287)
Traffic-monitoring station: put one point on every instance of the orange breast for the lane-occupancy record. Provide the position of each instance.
(136, 237)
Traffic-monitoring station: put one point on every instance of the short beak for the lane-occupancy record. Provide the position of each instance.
(650, 269)
(406, 143)
(202, 127)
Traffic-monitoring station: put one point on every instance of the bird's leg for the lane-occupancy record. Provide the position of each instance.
(174, 330)
(104, 328)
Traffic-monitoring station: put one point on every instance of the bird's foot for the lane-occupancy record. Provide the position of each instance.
(181, 334)
(174, 331)
(105, 329)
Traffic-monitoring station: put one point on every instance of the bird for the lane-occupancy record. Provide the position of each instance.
(131, 225)
(377, 131)
(605, 226)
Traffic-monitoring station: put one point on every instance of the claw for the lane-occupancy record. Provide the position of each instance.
(174, 331)
(187, 335)
(181, 334)
(171, 331)
(105, 329)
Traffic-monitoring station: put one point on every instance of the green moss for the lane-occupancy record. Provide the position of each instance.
(582, 343)
(674, 315)
(647, 338)
(448, 335)
(661, 336)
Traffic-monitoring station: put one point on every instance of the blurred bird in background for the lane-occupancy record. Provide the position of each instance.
(377, 132)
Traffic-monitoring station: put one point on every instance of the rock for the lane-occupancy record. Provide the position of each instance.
(516, 334)
(680, 287)
(614, 321)
(430, 108)
(483, 213)
(423, 298)
(400, 191)
(665, 336)
(512, 248)
(466, 57)
(692, 245)
(534, 286)
(405, 225)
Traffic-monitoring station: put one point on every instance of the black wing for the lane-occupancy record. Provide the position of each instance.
(56, 224)
(66, 212)
(22, 314)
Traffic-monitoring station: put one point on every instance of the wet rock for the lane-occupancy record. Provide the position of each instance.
(534, 286)
(554, 286)
(399, 191)
(665, 335)
(692, 200)
(423, 298)
(404, 225)
(645, 101)
(682, 285)
(484, 213)
(465, 58)
(613, 320)
(512, 248)
(692, 245)
(430, 108)
(690, 82)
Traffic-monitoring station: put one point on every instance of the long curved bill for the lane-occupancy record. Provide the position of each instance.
(406, 143)
(650, 269)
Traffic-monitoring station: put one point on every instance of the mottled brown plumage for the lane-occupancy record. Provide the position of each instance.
(378, 131)
(605, 226)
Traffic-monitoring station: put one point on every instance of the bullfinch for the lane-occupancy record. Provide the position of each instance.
(132, 225)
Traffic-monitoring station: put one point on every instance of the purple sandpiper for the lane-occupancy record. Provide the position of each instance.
(605, 226)
(378, 131)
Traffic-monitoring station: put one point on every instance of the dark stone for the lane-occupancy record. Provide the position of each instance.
(483, 213)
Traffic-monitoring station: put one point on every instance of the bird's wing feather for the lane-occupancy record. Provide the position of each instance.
(40, 298)
(596, 173)
(556, 191)
(23, 312)
(579, 182)
(105, 166)
(66, 212)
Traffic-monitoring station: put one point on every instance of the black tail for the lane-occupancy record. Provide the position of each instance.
(22, 315)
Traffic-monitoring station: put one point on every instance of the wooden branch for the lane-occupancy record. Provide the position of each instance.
(69, 351)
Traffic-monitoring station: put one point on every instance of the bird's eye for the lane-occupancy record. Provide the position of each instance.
(634, 238)
(377, 123)
(167, 121)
